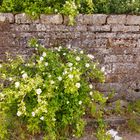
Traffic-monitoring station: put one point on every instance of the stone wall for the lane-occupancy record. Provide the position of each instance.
(113, 39)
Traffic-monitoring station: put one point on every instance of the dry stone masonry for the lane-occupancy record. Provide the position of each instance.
(113, 39)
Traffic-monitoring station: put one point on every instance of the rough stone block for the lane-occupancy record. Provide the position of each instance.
(108, 87)
(42, 27)
(125, 67)
(51, 19)
(116, 19)
(106, 35)
(81, 28)
(6, 40)
(97, 19)
(122, 43)
(24, 18)
(20, 28)
(128, 36)
(118, 58)
(123, 28)
(133, 20)
(95, 28)
(4, 26)
(6, 17)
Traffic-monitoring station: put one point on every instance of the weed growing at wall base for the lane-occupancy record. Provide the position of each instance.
(49, 94)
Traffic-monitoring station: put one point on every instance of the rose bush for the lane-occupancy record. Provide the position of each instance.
(50, 93)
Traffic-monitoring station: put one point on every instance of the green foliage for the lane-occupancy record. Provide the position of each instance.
(49, 93)
(101, 131)
(133, 111)
(71, 7)
(117, 6)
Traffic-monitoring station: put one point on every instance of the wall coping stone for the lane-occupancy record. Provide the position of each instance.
(84, 19)
(7, 17)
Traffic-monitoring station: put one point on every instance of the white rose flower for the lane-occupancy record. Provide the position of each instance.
(87, 65)
(60, 78)
(91, 93)
(42, 118)
(55, 10)
(71, 69)
(103, 69)
(41, 58)
(65, 72)
(90, 86)
(24, 75)
(33, 114)
(54, 119)
(0, 65)
(10, 79)
(81, 52)
(38, 91)
(52, 82)
(17, 84)
(19, 113)
(46, 64)
(112, 132)
(49, 76)
(70, 64)
(64, 54)
(1, 95)
(60, 47)
(69, 46)
(90, 56)
(44, 54)
(80, 102)
(70, 76)
(78, 85)
(77, 58)
(59, 50)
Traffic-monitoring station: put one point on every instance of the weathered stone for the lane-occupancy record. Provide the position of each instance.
(116, 19)
(97, 19)
(20, 28)
(6, 40)
(6, 17)
(42, 27)
(108, 87)
(133, 20)
(105, 35)
(124, 67)
(123, 28)
(51, 19)
(4, 26)
(95, 28)
(118, 58)
(127, 35)
(24, 18)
